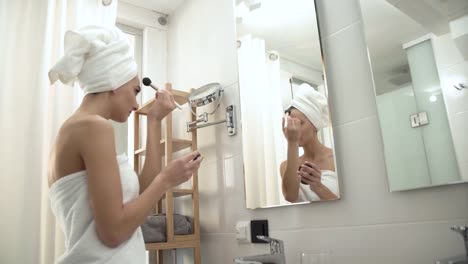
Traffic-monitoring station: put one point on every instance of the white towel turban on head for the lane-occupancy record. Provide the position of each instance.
(312, 104)
(99, 57)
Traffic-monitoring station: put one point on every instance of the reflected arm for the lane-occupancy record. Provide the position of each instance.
(324, 193)
(288, 170)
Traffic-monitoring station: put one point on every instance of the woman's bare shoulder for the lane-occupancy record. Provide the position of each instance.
(330, 160)
(83, 130)
(76, 132)
(80, 122)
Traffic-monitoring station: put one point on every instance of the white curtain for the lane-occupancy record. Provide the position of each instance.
(31, 111)
(261, 108)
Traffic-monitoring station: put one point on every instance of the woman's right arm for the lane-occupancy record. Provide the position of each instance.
(288, 170)
(116, 221)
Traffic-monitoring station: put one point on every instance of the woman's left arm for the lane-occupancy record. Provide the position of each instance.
(162, 106)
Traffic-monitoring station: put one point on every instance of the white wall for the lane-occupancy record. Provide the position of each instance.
(369, 224)
(453, 69)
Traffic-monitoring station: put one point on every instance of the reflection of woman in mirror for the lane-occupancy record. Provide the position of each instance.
(310, 177)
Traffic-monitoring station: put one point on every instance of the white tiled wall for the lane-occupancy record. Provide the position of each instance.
(369, 224)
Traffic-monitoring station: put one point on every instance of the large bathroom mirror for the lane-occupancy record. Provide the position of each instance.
(287, 135)
(418, 56)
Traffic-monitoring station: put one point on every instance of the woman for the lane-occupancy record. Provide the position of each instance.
(96, 196)
(310, 177)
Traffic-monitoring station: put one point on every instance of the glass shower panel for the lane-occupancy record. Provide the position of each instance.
(405, 157)
(436, 134)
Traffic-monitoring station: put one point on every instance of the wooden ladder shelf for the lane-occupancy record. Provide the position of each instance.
(171, 145)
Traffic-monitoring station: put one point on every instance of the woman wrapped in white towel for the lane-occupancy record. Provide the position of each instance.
(96, 196)
(310, 177)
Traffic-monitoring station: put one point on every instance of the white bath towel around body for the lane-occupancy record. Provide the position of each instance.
(70, 204)
(328, 178)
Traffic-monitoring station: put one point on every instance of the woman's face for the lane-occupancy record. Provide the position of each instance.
(125, 100)
(307, 130)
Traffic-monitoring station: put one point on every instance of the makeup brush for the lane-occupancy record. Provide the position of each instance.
(147, 82)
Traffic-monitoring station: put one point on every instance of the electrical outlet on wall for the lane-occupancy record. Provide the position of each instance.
(258, 228)
(243, 232)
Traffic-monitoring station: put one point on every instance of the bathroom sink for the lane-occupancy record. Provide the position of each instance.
(463, 231)
(453, 260)
(463, 261)
(276, 255)
(262, 259)
(246, 262)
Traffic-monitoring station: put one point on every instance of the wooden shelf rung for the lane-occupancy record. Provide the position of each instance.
(171, 245)
(177, 144)
(180, 192)
(189, 237)
(140, 151)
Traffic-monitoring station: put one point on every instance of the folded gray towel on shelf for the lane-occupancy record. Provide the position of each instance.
(154, 228)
